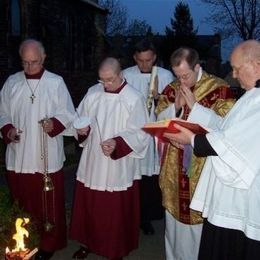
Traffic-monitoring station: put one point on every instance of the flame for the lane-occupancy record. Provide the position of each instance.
(19, 235)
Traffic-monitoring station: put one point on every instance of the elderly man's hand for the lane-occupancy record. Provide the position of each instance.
(108, 146)
(48, 126)
(14, 135)
(181, 138)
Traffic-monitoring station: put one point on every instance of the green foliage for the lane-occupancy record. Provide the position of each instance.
(181, 32)
(8, 213)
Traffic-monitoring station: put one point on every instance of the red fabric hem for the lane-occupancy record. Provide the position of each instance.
(122, 148)
(37, 75)
(58, 127)
(4, 131)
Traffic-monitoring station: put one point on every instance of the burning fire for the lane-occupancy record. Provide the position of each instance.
(19, 235)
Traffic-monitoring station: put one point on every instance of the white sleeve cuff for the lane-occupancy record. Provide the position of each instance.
(192, 140)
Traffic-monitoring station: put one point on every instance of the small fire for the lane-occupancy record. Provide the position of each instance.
(19, 235)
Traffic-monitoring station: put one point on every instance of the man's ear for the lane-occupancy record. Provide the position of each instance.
(154, 58)
(134, 57)
(197, 68)
(43, 58)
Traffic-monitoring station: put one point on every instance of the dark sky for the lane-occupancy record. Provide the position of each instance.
(158, 13)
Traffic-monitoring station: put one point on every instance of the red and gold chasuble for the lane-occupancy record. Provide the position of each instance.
(176, 184)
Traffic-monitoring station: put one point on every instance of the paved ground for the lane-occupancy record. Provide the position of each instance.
(150, 247)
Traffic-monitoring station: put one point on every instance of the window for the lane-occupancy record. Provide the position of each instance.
(15, 18)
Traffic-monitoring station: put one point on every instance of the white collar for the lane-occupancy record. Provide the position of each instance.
(199, 74)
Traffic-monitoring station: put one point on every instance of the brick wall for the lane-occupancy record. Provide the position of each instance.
(68, 31)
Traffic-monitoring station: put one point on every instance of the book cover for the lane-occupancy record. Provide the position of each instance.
(167, 126)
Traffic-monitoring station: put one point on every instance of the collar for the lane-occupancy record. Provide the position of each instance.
(38, 75)
(199, 75)
(118, 89)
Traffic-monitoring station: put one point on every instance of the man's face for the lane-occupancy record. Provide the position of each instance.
(110, 80)
(243, 71)
(32, 59)
(186, 75)
(145, 60)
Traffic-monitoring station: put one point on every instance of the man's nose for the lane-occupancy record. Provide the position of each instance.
(182, 80)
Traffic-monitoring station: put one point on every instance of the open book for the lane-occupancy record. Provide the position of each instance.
(167, 126)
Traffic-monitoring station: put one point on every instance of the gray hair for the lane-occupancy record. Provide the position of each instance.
(34, 42)
(250, 50)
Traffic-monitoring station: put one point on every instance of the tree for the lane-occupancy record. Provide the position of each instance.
(181, 32)
(236, 18)
(116, 20)
(139, 28)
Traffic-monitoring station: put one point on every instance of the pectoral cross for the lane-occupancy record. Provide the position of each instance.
(32, 97)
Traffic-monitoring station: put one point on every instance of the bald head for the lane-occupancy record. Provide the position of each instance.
(32, 54)
(110, 74)
(245, 61)
(249, 50)
(110, 64)
(31, 43)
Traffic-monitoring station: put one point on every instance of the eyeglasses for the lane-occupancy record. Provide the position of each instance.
(31, 64)
(184, 76)
(109, 82)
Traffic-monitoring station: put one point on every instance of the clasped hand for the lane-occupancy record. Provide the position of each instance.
(47, 125)
(184, 96)
(108, 146)
(83, 131)
(14, 135)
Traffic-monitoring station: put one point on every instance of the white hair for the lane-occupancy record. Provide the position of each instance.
(34, 42)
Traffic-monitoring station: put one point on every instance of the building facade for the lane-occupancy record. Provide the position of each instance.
(72, 32)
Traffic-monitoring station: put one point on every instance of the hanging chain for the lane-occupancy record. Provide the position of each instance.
(47, 181)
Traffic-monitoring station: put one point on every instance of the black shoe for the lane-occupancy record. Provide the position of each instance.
(43, 255)
(82, 253)
(147, 228)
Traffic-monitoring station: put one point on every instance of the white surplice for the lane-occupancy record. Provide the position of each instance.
(52, 99)
(140, 81)
(228, 192)
(112, 115)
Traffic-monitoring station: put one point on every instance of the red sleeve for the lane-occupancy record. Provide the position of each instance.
(122, 148)
(4, 130)
(169, 91)
(58, 127)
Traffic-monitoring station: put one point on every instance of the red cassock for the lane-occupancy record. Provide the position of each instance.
(27, 189)
(107, 222)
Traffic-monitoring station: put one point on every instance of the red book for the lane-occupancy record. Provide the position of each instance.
(167, 126)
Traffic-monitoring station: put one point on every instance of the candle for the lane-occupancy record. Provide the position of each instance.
(152, 80)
